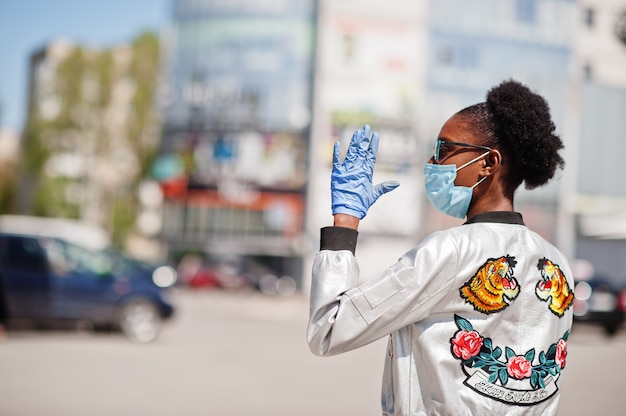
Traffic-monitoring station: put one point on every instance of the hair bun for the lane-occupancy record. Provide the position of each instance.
(523, 125)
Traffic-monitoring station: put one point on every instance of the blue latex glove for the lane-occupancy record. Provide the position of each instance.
(351, 186)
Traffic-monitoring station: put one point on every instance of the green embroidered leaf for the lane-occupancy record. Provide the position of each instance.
(497, 353)
(530, 355)
(566, 335)
(542, 382)
(552, 350)
(493, 377)
(494, 367)
(509, 353)
(485, 355)
(552, 370)
(504, 376)
(462, 323)
(487, 343)
(480, 363)
(469, 362)
(534, 379)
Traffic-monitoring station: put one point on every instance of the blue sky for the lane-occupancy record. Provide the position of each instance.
(26, 25)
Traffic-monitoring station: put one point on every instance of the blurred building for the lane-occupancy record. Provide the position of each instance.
(89, 134)
(9, 147)
(237, 110)
(597, 205)
(9, 157)
(600, 41)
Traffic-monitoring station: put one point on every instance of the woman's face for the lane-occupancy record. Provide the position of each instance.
(457, 130)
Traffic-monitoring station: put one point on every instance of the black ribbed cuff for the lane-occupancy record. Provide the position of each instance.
(338, 238)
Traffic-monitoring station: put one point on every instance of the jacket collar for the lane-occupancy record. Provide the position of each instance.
(502, 217)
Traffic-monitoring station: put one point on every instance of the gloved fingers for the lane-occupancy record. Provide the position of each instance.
(364, 144)
(353, 148)
(359, 144)
(373, 148)
(383, 188)
(337, 156)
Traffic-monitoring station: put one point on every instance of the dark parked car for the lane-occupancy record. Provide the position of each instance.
(50, 278)
(598, 301)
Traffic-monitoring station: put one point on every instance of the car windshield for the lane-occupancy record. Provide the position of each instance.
(66, 256)
(125, 264)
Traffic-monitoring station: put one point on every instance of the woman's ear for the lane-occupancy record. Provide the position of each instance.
(492, 162)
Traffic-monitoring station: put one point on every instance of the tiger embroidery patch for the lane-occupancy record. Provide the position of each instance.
(492, 285)
(553, 287)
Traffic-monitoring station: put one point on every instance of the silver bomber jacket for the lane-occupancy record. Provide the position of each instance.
(477, 317)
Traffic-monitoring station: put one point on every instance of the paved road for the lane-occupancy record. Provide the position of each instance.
(239, 355)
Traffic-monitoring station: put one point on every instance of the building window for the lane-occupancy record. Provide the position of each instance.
(620, 27)
(445, 56)
(348, 47)
(467, 56)
(464, 56)
(526, 10)
(587, 72)
(590, 15)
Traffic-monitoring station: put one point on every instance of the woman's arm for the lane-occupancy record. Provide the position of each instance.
(346, 221)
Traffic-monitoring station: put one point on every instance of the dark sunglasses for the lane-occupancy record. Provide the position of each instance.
(442, 147)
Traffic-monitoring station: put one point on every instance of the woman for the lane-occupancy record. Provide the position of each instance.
(478, 315)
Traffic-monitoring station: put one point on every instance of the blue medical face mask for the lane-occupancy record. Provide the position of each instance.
(443, 193)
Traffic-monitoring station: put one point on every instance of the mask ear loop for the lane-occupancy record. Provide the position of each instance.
(473, 160)
(479, 182)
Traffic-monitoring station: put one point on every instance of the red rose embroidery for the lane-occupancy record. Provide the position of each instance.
(519, 367)
(479, 352)
(561, 353)
(466, 344)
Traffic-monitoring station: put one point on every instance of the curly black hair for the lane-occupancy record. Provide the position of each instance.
(517, 121)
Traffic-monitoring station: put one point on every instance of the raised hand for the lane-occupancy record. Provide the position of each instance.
(352, 191)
